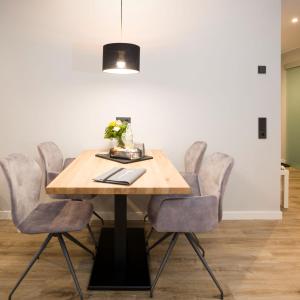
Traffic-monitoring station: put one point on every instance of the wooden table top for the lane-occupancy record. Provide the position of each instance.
(160, 178)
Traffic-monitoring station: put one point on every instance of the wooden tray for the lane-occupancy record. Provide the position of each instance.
(122, 160)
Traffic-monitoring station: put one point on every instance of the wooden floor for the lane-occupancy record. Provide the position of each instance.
(252, 259)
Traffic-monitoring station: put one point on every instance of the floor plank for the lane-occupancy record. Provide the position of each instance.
(252, 259)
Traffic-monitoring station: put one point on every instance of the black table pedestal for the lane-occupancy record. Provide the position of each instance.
(121, 260)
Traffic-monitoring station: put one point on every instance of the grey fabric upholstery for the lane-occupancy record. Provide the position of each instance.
(52, 158)
(54, 164)
(58, 216)
(184, 214)
(156, 201)
(199, 212)
(213, 176)
(192, 162)
(51, 175)
(30, 216)
(68, 161)
(24, 177)
(193, 157)
(193, 182)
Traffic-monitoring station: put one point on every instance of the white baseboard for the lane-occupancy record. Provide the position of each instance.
(252, 215)
(5, 215)
(227, 215)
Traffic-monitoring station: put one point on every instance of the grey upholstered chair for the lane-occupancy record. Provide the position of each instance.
(192, 162)
(31, 216)
(200, 212)
(54, 163)
(193, 157)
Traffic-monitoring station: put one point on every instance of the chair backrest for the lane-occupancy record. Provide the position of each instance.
(193, 157)
(52, 158)
(213, 176)
(24, 177)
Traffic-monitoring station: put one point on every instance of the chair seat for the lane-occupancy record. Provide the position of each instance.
(57, 217)
(156, 200)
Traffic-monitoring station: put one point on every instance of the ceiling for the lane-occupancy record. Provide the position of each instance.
(290, 35)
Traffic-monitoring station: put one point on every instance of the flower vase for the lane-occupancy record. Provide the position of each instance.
(117, 142)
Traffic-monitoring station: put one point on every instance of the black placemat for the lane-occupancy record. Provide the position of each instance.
(122, 160)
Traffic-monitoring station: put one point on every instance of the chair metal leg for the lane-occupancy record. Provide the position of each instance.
(35, 257)
(75, 241)
(99, 217)
(92, 236)
(204, 262)
(198, 244)
(160, 240)
(70, 265)
(164, 261)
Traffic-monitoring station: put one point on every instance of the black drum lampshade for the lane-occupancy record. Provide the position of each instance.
(121, 58)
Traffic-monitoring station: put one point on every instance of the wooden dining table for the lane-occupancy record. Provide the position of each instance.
(121, 261)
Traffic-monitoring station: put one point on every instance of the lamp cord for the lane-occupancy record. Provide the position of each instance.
(121, 19)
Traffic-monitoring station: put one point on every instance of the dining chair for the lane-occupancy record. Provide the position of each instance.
(54, 163)
(192, 162)
(194, 156)
(197, 213)
(31, 216)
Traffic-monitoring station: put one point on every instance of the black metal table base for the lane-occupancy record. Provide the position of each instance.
(134, 275)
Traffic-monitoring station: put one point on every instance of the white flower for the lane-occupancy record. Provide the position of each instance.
(116, 128)
(119, 123)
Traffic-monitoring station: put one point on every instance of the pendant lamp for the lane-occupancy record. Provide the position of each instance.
(121, 58)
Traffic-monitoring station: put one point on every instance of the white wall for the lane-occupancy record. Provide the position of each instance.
(198, 81)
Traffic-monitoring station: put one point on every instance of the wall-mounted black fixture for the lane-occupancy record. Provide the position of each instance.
(121, 58)
(262, 128)
(124, 119)
(261, 69)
